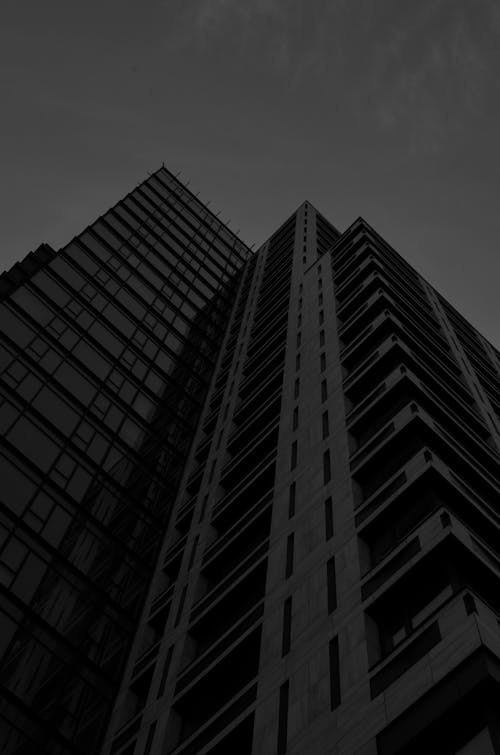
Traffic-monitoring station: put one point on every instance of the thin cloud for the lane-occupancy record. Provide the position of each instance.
(289, 38)
(430, 71)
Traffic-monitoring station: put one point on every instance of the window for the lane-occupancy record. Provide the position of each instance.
(34, 443)
(293, 461)
(321, 317)
(295, 418)
(296, 388)
(328, 518)
(333, 652)
(291, 500)
(331, 585)
(324, 390)
(325, 427)
(322, 361)
(321, 337)
(299, 339)
(327, 471)
(165, 671)
(289, 556)
(297, 362)
(287, 627)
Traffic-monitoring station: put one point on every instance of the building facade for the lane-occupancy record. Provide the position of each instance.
(250, 502)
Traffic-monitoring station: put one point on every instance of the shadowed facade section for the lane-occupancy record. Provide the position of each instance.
(249, 501)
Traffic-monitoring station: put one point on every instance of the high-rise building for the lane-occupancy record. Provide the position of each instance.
(249, 502)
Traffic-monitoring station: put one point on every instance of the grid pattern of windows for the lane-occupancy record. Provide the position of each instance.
(105, 359)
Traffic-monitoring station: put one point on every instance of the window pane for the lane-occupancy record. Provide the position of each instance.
(19, 488)
(33, 443)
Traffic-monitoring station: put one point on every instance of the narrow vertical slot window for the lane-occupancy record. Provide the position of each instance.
(322, 361)
(181, 606)
(325, 425)
(166, 669)
(296, 388)
(295, 418)
(283, 719)
(331, 585)
(291, 500)
(297, 362)
(321, 317)
(293, 456)
(212, 470)
(333, 649)
(203, 508)
(149, 741)
(327, 467)
(299, 339)
(324, 390)
(320, 300)
(321, 337)
(289, 556)
(287, 627)
(193, 552)
(328, 518)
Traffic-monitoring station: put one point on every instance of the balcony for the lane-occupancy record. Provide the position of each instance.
(383, 298)
(456, 649)
(376, 279)
(411, 430)
(243, 539)
(267, 334)
(267, 351)
(384, 326)
(205, 661)
(224, 580)
(268, 391)
(251, 456)
(213, 615)
(391, 353)
(401, 389)
(263, 373)
(265, 415)
(401, 386)
(205, 717)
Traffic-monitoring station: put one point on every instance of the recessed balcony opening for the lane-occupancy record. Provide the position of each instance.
(408, 603)
(415, 600)
(216, 688)
(225, 554)
(253, 488)
(414, 504)
(238, 741)
(222, 614)
(265, 416)
(250, 457)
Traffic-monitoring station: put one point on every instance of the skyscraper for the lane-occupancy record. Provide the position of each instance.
(249, 501)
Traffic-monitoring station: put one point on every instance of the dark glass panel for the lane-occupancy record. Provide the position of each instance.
(19, 488)
(56, 410)
(14, 327)
(33, 443)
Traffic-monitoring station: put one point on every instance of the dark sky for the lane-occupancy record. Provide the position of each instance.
(389, 109)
